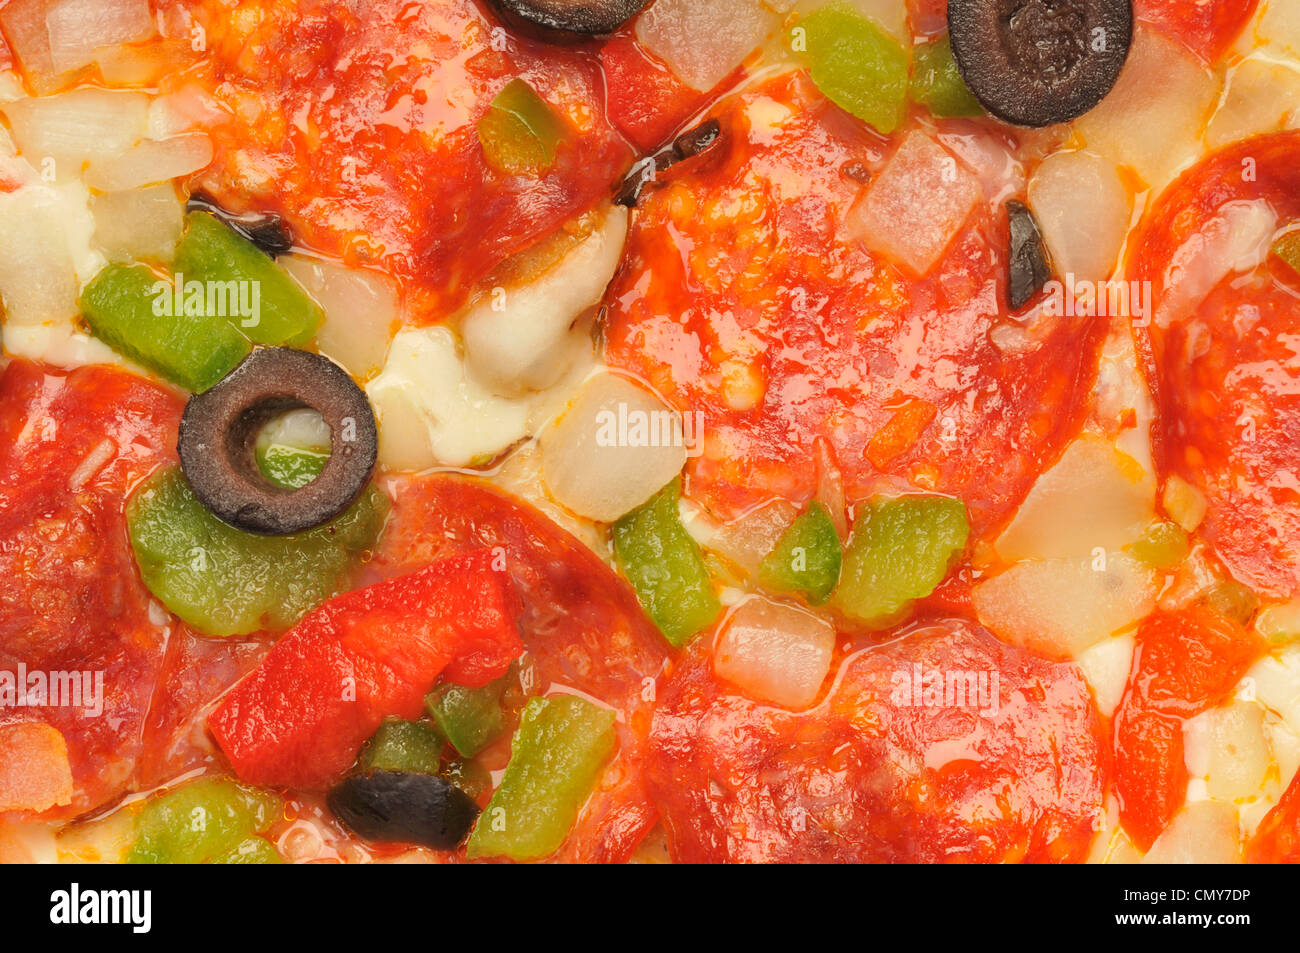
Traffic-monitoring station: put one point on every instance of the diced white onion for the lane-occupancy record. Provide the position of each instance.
(1280, 623)
(1095, 496)
(704, 42)
(79, 126)
(141, 65)
(1274, 681)
(518, 338)
(1154, 117)
(429, 411)
(38, 274)
(521, 475)
(24, 28)
(140, 224)
(1262, 97)
(1084, 211)
(1184, 502)
(612, 449)
(303, 428)
(1205, 832)
(77, 28)
(914, 207)
(363, 310)
(1060, 607)
(1228, 748)
(60, 344)
(1106, 666)
(775, 652)
(746, 540)
(151, 161)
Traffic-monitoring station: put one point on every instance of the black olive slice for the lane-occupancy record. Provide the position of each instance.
(566, 19)
(219, 430)
(689, 144)
(1038, 62)
(267, 232)
(1027, 264)
(406, 807)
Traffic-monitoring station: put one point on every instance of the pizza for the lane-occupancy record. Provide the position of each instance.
(699, 431)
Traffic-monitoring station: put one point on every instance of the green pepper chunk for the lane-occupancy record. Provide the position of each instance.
(223, 581)
(1287, 248)
(665, 567)
(254, 850)
(857, 65)
(290, 467)
(899, 551)
(470, 776)
(200, 823)
(806, 559)
(1163, 545)
(937, 84)
(471, 718)
(559, 750)
(1233, 601)
(411, 746)
(193, 351)
(520, 132)
(277, 310)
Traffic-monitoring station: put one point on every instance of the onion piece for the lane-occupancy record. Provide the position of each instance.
(151, 161)
(34, 773)
(23, 22)
(775, 652)
(57, 343)
(1106, 666)
(1205, 832)
(613, 449)
(1060, 607)
(912, 210)
(518, 338)
(77, 28)
(363, 310)
(746, 540)
(704, 42)
(1274, 682)
(1084, 211)
(1094, 497)
(78, 126)
(141, 65)
(140, 224)
(1228, 748)
(1262, 97)
(38, 276)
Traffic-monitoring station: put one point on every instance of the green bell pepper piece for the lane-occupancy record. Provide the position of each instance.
(410, 746)
(211, 252)
(1287, 248)
(899, 551)
(254, 850)
(857, 65)
(200, 822)
(290, 467)
(194, 351)
(559, 750)
(470, 776)
(1163, 545)
(223, 581)
(937, 84)
(806, 559)
(520, 132)
(665, 567)
(471, 718)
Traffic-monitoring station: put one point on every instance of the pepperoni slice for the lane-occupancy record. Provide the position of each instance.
(1225, 372)
(1206, 27)
(869, 776)
(357, 122)
(582, 627)
(72, 445)
(745, 298)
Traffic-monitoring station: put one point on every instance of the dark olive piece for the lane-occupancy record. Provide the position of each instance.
(219, 431)
(406, 807)
(689, 144)
(1027, 264)
(267, 232)
(566, 20)
(1039, 62)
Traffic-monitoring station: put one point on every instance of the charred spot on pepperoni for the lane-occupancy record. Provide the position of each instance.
(219, 430)
(1028, 267)
(689, 144)
(405, 807)
(267, 232)
(1039, 62)
(561, 20)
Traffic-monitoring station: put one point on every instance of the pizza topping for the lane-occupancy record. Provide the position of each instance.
(665, 567)
(268, 232)
(567, 19)
(806, 558)
(937, 84)
(1203, 832)
(220, 428)
(406, 746)
(1028, 268)
(775, 653)
(689, 144)
(1041, 62)
(209, 821)
(1084, 210)
(35, 774)
(407, 807)
(471, 718)
(520, 132)
(224, 581)
(859, 67)
(557, 755)
(899, 551)
(703, 43)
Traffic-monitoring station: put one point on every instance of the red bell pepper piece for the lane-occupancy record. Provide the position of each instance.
(644, 100)
(299, 719)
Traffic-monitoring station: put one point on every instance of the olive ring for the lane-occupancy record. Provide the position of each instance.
(219, 429)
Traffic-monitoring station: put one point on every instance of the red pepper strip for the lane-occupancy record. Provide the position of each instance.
(1187, 662)
(645, 101)
(1277, 841)
(301, 717)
